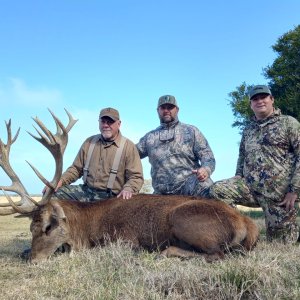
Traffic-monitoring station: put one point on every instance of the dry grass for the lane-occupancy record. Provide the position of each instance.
(117, 272)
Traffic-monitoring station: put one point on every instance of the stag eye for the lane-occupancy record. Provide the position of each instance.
(48, 229)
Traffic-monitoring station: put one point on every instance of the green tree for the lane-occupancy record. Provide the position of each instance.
(240, 106)
(283, 77)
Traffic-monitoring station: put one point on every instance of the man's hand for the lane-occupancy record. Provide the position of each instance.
(289, 201)
(59, 184)
(201, 174)
(125, 194)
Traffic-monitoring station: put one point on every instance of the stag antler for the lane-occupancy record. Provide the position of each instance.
(56, 144)
(16, 185)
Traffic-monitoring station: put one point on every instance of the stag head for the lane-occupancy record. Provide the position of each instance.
(50, 231)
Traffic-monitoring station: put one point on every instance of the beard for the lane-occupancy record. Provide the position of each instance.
(107, 135)
(166, 119)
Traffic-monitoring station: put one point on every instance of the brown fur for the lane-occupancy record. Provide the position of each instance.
(177, 225)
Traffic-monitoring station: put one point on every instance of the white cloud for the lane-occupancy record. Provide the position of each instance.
(16, 91)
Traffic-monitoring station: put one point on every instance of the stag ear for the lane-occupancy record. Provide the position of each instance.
(58, 211)
(46, 226)
(51, 221)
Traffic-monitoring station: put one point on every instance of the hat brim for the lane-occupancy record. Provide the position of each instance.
(111, 117)
(260, 93)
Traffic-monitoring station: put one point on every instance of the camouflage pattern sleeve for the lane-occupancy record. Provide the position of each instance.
(203, 152)
(142, 147)
(241, 158)
(294, 134)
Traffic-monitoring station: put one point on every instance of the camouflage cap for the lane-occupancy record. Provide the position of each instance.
(259, 89)
(167, 99)
(110, 112)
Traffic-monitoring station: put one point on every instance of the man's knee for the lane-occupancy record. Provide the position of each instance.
(71, 192)
(282, 225)
(287, 235)
(216, 190)
(212, 191)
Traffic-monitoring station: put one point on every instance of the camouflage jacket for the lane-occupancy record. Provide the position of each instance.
(173, 152)
(269, 156)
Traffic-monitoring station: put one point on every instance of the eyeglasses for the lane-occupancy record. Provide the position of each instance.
(107, 121)
(167, 106)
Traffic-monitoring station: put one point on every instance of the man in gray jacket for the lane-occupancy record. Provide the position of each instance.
(180, 156)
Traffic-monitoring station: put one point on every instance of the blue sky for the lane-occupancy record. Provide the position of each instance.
(87, 55)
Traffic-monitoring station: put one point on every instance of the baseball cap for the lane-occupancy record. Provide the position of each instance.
(259, 89)
(167, 99)
(110, 112)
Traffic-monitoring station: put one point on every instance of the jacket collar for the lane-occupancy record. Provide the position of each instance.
(116, 141)
(169, 125)
(271, 119)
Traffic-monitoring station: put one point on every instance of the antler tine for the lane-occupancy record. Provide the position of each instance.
(23, 202)
(47, 140)
(10, 140)
(16, 186)
(62, 131)
(15, 208)
(56, 144)
(40, 176)
(72, 121)
(43, 138)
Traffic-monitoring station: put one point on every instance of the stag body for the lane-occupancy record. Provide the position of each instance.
(190, 226)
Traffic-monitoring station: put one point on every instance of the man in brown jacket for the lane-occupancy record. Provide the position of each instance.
(103, 177)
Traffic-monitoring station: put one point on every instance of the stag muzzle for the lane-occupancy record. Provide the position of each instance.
(37, 256)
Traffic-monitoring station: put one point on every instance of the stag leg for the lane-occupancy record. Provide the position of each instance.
(173, 251)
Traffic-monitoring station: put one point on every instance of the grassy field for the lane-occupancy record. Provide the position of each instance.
(271, 271)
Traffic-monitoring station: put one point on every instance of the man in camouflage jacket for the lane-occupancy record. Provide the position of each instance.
(268, 168)
(180, 156)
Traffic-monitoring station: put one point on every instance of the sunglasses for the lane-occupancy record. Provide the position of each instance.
(167, 135)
